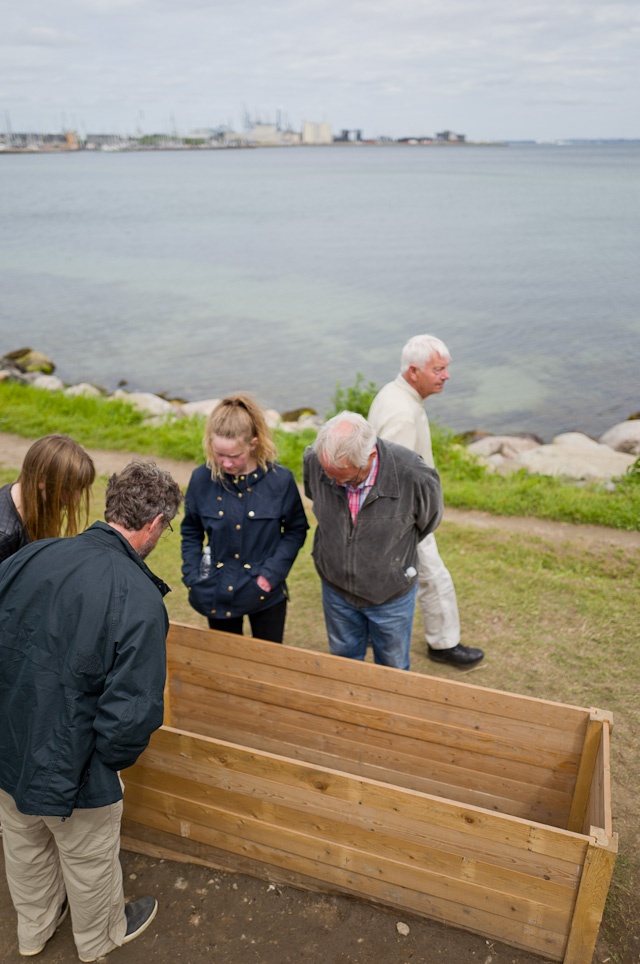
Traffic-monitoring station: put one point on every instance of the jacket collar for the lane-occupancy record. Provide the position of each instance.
(404, 386)
(244, 482)
(110, 537)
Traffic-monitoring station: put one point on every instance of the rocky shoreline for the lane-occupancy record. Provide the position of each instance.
(571, 455)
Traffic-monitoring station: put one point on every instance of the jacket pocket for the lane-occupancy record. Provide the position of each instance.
(203, 594)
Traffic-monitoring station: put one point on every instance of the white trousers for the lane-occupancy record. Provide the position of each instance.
(46, 857)
(437, 597)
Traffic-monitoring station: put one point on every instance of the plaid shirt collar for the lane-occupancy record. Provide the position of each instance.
(356, 494)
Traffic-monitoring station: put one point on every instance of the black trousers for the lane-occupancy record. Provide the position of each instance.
(267, 624)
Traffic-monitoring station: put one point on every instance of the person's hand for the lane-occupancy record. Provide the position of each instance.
(264, 584)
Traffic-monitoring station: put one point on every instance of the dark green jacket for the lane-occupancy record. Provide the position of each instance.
(82, 669)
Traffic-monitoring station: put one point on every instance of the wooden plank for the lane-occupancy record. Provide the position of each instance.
(143, 839)
(594, 811)
(254, 797)
(516, 742)
(598, 812)
(387, 679)
(207, 707)
(160, 791)
(362, 880)
(594, 886)
(220, 666)
(380, 696)
(227, 674)
(582, 790)
(209, 760)
(354, 756)
(168, 719)
(373, 859)
(605, 750)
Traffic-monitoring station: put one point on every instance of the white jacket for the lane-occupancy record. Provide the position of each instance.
(397, 414)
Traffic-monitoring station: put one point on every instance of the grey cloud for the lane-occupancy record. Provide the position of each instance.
(351, 57)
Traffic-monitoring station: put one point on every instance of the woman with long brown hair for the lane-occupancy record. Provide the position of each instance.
(249, 508)
(50, 497)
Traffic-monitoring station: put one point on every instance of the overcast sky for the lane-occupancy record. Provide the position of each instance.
(492, 69)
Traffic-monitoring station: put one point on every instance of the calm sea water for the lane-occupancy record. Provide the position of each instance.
(282, 271)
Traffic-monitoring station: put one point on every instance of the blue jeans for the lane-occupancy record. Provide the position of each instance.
(387, 626)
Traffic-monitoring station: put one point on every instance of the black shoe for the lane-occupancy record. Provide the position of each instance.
(139, 914)
(463, 656)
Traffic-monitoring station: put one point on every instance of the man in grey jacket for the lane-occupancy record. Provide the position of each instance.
(82, 670)
(374, 501)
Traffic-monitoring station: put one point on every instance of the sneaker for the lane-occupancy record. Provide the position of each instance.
(64, 910)
(139, 914)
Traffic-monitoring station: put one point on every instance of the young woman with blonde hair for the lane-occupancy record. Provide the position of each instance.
(249, 508)
(50, 497)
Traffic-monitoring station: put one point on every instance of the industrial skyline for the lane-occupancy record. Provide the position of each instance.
(535, 70)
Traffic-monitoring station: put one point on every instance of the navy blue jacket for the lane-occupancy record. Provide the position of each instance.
(82, 669)
(255, 525)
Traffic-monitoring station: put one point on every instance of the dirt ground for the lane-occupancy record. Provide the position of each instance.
(213, 917)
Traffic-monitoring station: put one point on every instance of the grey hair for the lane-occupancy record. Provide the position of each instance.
(351, 445)
(420, 349)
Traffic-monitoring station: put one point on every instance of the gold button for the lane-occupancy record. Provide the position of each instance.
(239, 495)
(236, 556)
(261, 597)
(255, 475)
(251, 514)
(228, 614)
(220, 512)
(242, 476)
(213, 612)
(238, 527)
(219, 498)
(219, 565)
(230, 588)
(248, 489)
(247, 566)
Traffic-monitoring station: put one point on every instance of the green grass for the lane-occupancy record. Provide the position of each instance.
(106, 424)
(96, 422)
(101, 423)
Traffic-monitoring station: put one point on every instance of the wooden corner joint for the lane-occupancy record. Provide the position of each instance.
(603, 841)
(601, 716)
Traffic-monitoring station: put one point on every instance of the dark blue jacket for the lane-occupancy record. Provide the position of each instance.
(82, 669)
(255, 525)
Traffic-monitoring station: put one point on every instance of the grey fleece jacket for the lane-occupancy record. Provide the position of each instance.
(366, 561)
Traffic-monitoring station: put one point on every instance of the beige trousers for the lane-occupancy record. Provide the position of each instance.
(48, 856)
(437, 597)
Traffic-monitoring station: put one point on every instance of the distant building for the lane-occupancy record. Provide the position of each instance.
(313, 133)
(349, 134)
(448, 137)
(272, 135)
(104, 142)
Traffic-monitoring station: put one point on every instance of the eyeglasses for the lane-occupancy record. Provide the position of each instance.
(168, 529)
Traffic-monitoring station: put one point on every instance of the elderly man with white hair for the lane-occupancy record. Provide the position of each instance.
(398, 415)
(374, 502)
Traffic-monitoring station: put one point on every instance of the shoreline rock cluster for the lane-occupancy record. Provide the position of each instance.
(571, 455)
